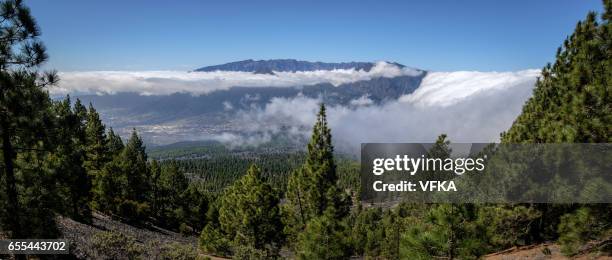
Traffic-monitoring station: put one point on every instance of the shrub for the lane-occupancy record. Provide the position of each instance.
(114, 245)
(185, 229)
(178, 251)
(134, 211)
(508, 226)
(243, 252)
(212, 241)
(575, 229)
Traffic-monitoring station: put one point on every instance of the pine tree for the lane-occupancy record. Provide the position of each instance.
(249, 213)
(325, 237)
(109, 181)
(23, 101)
(67, 161)
(96, 148)
(171, 187)
(109, 186)
(313, 188)
(440, 150)
(390, 235)
(571, 104)
(115, 144)
(134, 162)
(157, 189)
(123, 186)
(447, 231)
(80, 112)
(571, 101)
(200, 202)
(174, 181)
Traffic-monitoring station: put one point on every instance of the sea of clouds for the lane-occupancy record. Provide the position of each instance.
(199, 83)
(468, 106)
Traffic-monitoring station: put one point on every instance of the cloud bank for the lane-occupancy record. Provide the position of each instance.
(468, 106)
(198, 83)
(447, 88)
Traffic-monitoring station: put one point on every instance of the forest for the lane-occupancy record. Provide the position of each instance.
(60, 160)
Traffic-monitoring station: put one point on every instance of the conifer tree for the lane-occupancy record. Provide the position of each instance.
(96, 147)
(571, 101)
(134, 162)
(571, 104)
(171, 188)
(67, 162)
(447, 231)
(390, 235)
(123, 186)
(173, 181)
(325, 237)
(157, 190)
(440, 150)
(23, 101)
(313, 188)
(109, 185)
(80, 112)
(115, 144)
(249, 213)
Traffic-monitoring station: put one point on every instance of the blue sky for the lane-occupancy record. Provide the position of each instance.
(183, 35)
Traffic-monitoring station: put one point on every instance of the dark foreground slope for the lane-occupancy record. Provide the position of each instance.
(92, 242)
(106, 238)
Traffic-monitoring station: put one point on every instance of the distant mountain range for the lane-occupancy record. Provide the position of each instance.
(183, 116)
(287, 65)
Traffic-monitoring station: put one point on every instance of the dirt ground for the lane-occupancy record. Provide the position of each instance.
(539, 252)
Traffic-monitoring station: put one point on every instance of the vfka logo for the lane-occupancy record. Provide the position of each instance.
(438, 186)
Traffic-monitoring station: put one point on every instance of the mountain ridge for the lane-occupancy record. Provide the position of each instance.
(288, 65)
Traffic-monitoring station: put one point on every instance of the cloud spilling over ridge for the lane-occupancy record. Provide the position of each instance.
(446, 88)
(468, 106)
(198, 83)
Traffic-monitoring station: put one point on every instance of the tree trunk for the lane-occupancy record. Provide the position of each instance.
(11, 188)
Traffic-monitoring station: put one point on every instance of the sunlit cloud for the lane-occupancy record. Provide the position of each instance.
(468, 106)
(198, 83)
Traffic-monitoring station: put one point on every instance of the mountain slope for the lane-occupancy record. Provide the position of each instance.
(108, 238)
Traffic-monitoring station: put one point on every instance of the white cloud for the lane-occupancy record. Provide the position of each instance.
(234, 140)
(197, 83)
(227, 106)
(468, 106)
(362, 101)
(447, 88)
